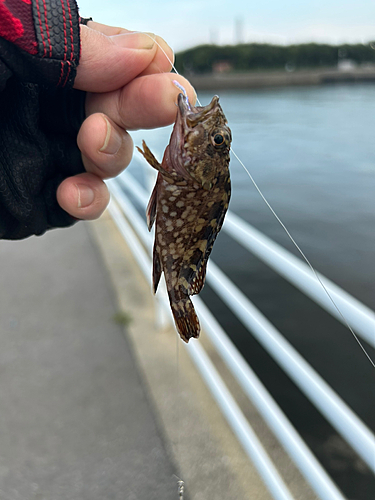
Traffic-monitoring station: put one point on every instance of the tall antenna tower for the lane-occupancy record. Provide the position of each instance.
(214, 36)
(238, 30)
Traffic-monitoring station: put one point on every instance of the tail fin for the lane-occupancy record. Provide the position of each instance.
(186, 320)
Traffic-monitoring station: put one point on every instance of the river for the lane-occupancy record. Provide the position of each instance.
(311, 150)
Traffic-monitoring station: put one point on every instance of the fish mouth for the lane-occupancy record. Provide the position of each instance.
(188, 117)
(192, 115)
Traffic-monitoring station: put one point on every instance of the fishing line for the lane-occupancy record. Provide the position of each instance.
(179, 406)
(341, 314)
(306, 260)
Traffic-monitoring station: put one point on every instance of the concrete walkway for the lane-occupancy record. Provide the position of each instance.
(75, 422)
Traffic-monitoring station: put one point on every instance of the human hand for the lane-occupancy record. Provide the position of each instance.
(129, 87)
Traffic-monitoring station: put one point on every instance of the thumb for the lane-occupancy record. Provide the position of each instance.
(109, 62)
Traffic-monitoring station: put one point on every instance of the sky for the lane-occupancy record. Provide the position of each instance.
(185, 24)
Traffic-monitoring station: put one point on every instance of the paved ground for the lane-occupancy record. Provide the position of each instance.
(75, 422)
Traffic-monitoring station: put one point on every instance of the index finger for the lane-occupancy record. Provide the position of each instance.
(146, 102)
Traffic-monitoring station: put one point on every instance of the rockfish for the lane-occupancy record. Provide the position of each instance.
(189, 203)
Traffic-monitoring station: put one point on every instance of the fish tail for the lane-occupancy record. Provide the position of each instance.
(186, 320)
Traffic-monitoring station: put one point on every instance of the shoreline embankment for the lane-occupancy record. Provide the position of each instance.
(253, 80)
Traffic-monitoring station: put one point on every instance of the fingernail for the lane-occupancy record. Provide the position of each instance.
(135, 40)
(85, 195)
(112, 141)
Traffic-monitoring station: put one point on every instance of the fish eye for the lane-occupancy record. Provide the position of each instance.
(218, 139)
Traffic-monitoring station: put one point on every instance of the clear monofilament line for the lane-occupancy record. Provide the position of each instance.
(171, 63)
(179, 411)
(345, 321)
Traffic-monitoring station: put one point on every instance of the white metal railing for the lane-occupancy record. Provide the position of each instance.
(329, 403)
(325, 399)
(234, 415)
(287, 435)
(360, 317)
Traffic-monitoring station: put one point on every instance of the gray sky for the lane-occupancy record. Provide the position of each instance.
(188, 23)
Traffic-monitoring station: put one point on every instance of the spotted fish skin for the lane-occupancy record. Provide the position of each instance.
(189, 203)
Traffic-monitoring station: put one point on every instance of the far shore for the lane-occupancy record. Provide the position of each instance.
(262, 79)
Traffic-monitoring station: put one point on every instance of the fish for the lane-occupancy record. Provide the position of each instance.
(189, 203)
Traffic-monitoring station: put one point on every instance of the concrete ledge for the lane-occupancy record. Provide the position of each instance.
(76, 422)
(278, 79)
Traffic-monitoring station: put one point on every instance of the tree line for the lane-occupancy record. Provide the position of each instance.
(262, 56)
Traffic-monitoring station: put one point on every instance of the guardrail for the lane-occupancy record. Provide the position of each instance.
(360, 317)
(325, 399)
(238, 422)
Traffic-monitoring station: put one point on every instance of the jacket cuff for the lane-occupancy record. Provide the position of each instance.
(56, 25)
(54, 60)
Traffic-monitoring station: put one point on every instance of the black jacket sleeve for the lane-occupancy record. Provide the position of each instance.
(40, 113)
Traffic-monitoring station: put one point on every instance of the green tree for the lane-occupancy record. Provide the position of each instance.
(256, 56)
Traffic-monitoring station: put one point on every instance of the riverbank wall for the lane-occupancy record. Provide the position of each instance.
(253, 80)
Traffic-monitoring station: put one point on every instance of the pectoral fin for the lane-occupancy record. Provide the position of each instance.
(149, 157)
